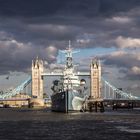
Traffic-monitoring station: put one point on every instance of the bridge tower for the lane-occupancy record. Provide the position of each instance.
(95, 72)
(37, 79)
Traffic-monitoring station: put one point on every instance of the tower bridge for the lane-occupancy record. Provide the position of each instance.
(100, 89)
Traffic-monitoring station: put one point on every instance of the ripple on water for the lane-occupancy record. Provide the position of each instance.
(127, 129)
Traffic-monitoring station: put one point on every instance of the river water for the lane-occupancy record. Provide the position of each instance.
(41, 124)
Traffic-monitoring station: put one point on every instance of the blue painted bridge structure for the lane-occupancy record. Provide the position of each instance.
(109, 92)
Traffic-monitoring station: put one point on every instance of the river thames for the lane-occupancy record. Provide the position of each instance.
(41, 124)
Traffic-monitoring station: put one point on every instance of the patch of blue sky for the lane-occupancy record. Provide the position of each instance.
(87, 53)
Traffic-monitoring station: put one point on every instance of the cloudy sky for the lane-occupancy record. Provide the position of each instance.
(108, 29)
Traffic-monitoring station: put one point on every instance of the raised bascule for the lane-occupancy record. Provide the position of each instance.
(100, 89)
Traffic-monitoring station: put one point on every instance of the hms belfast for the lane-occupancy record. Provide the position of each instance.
(69, 92)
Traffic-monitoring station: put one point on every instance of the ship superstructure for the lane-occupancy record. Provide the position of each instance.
(70, 80)
(69, 93)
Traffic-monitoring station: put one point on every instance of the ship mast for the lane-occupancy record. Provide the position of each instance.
(69, 61)
(69, 58)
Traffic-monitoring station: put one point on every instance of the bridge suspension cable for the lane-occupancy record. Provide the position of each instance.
(15, 91)
(118, 92)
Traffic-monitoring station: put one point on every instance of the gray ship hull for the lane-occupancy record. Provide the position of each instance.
(67, 101)
(59, 102)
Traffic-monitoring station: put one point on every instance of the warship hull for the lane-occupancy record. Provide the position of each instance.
(69, 91)
(66, 101)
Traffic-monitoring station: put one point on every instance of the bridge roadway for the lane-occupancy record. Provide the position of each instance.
(61, 74)
(121, 100)
(15, 99)
(104, 100)
(114, 100)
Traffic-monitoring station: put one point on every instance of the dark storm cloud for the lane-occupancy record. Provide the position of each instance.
(122, 59)
(41, 27)
(29, 8)
(127, 63)
(34, 8)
